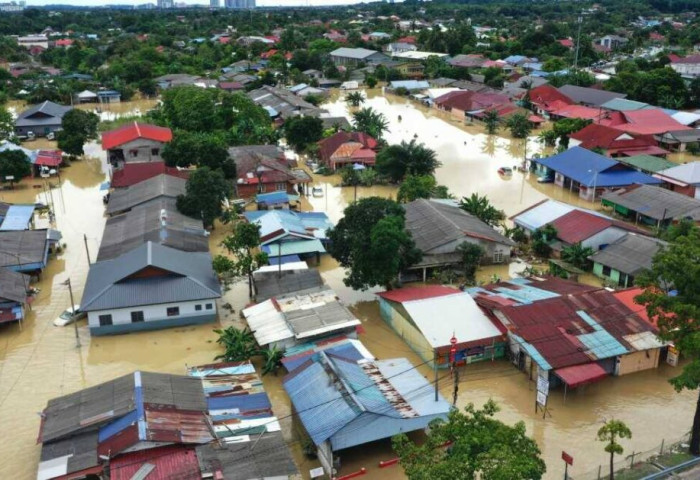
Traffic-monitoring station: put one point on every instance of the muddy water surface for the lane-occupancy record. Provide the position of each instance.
(39, 361)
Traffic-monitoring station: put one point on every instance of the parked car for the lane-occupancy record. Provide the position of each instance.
(69, 316)
(545, 179)
(505, 171)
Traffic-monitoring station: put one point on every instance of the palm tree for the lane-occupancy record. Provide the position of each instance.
(491, 121)
(354, 99)
(370, 122)
(482, 209)
(412, 158)
(577, 255)
(548, 137)
(239, 345)
(610, 432)
(273, 359)
(519, 125)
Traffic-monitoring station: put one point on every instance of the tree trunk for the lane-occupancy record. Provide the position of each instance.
(250, 285)
(695, 433)
(612, 466)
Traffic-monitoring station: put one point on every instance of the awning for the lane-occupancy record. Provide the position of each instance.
(49, 159)
(581, 374)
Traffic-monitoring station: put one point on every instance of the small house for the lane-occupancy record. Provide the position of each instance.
(651, 205)
(161, 186)
(266, 169)
(623, 260)
(590, 230)
(347, 148)
(683, 179)
(412, 313)
(149, 288)
(86, 96)
(133, 173)
(27, 251)
(614, 143)
(135, 143)
(285, 278)
(13, 295)
(109, 96)
(16, 217)
(354, 56)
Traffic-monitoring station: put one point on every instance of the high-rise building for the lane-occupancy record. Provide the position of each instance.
(240, 3)
(165, 4)
(214, 3)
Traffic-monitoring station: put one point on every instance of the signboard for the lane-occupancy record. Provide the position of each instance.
(541, 399)
(672, 357)
(543, 385)
(316, 472)
(567, 458)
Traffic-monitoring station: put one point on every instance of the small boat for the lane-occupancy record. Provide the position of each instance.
(317, 191)
(505, 171)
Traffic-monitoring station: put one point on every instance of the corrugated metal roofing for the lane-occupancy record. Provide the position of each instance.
(131, 132)
(24, 249)
(577, 375)
(342, 347)
(17, 217)
(267, 323)
(270, 284)
(300, 247)
(13, 286)
(631, 254)
(648, 163)
(133, 173)
(577, 226)
(655, 202)
(408, 294)
(189, 277)
(591, 96)
(153, 188)
(169, 462)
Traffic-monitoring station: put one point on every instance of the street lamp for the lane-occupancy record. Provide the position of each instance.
(357, 167)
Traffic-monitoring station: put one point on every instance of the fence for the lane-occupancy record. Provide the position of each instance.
(637, 465)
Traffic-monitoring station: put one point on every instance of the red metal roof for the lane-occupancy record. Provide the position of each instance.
(566, 42)
(581, 374)
(131, 132)
(649, 122)
(608, 138)
(329, 146)
(578, 225)
(627, 298)
(169, 462)
(544, 95)
(49, 158)
(401, 295)
(133, 173)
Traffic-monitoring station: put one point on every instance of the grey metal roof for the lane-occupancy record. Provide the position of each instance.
(82, 449)
(655, 202)
(88, 409)
(354, 53)
(179, 391)
(29, 245)
(163, 185)
(434, 223)
(270, 151)
(157, 221)
(267, 458)
(13, 286)
(315, 320)
(590, 96)
(270, 284)
(341, 122)
(631, 254)
(283, 101)
(47, 113)
(187, 276)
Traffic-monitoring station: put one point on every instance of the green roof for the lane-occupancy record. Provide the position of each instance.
(648, 163)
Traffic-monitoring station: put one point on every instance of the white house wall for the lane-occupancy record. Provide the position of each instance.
(489, 248)
(606, 237)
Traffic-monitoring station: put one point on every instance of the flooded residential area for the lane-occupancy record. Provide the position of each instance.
(338, 239)
(40, 361)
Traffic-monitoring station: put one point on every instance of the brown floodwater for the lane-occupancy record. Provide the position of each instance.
(39, 361)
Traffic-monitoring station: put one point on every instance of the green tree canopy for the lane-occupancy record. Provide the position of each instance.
(14, 163)
(204, 149)
(301, 132)
(481, 208)
(577, 255)
(471, 258)
(480, 443)
(206, 191)
(371, 242)
(78, 127)
(241, 246)
(354, 99)
(677, 269)
(491, 121)
(413, 158)
(414, 187)
(370, 122)
(610, 433)
(519, 125)
(7, 125)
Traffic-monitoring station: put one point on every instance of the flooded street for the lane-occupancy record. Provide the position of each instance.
(39, 361)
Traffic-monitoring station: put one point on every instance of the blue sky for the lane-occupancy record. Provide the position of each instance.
(261, 3)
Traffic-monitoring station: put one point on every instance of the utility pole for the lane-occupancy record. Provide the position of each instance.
(87, 251)
(578, 41)
(435, 368)
(453, 367)
(73, 312)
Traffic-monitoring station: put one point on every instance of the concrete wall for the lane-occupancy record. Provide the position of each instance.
(39, 130)
(614, 276)
(692, 69)
(490, 248)
(142, 151)
(155, 317)
(406, 330)
(638, 361)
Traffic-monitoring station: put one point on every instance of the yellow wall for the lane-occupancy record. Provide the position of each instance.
(638, 361)
(410, 334)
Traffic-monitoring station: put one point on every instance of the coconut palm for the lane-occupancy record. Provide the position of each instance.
(239, 345)
(370, 122)
(354, 99)
(577, 255)
(482, 209)
(491, 121)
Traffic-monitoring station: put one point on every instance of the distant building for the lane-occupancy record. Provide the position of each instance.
(165, 4)
(12, 6)
(214, 3)
(688, 66)
(41, 119)
(240, 3)
(33, 41)
(353, 56)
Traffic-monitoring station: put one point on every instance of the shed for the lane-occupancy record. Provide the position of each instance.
(271, 283)
(17, 217)
(25, 250)
(86, 96)
(652, 205)
(412, 313)
(624, 259)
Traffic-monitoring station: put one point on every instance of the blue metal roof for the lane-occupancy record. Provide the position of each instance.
(513, 59)
(526, 294)
(589, 168)
(601, 343)
(17, 217)
(297, 355)
(410, 84)
(282, 223)
(533, 352)
(274, 198)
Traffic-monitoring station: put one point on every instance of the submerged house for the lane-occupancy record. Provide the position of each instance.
(284, 278)
(265, 169)
(623, 260)
(145, 192)
(82, 433)
(427, 318)
(589, 173)
(307, 315)
(41, 119)
(569, 333)
(27, 251)
(13, 295)
(348, 148)
(133, 173)
(439, 227)
(284, 232)
(652, 205)
(344, 402)
(149, 288)
(16, 217)
(135, 143)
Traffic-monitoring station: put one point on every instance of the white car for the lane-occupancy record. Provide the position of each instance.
(69, 316)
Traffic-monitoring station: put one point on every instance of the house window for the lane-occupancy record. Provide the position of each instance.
(134, 153)
(606, 271)
(210, 306)
(198, 308)
(155, 152)
(173, 311)
(137, 317)
(105, 320)
(281, 186)
(498, 256)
